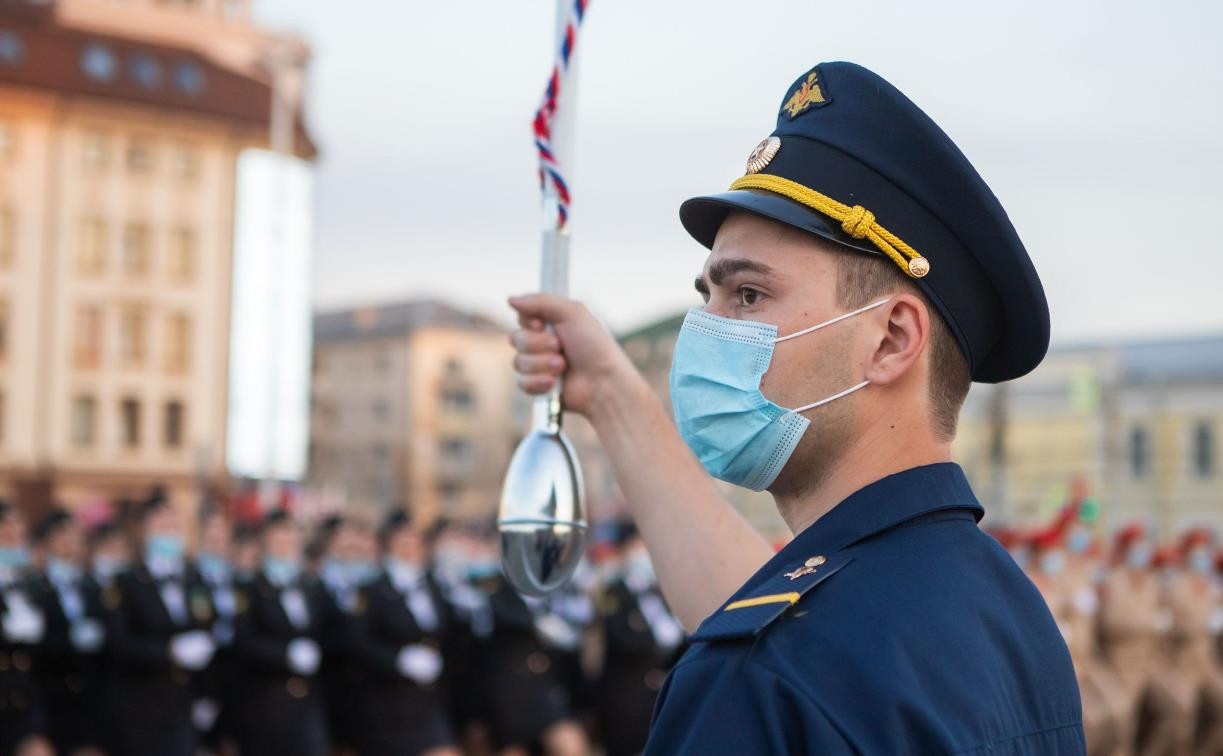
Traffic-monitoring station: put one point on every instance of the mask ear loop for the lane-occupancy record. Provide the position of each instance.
(834, 397)
(837, 319)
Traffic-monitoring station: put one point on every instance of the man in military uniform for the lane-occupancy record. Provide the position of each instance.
(641, 640)
(68, 667)
(23, 724)
(276, 641)
(862, 274)
(218, 698)
(160, 638)
(341, 576)
(404, 632)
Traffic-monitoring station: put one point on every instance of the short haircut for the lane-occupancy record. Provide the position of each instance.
(864, 278)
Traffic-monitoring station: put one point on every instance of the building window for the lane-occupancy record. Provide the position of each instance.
(12, 49)
(88, 347)
(98, 63)
(144, 70)
(95, 151)
(1205, 454)
(129, 423)
(136, 249)
(184, 162)
(182, 254)
(382, 409)
(174, 424)
(178, 343)
(1140, 452)
(455, 449)
(140, 154)
(132, 322)
(457, 398)
(189, 79)
(7, 237)
(84, 417)
(91, 252)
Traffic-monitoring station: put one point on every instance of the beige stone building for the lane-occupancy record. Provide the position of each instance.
(120, 125)
(412, 404)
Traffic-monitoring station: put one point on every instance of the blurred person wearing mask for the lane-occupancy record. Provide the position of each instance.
(246, 552)
(109, 553)
(23, 722)
(277, 641)
(160, 636)
(1195, 680)
(1105, 704)
(1133, 627)
(641, 642)
(69, 663)
(341, 675)
(1074, 605)
(218, 703)
(531, 658)
(405, 624)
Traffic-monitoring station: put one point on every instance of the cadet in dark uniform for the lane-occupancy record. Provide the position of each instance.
(403, 643)
(340, 577)
(160, 639)
(641, 641)
(528, 669)
(23, 724)
(68, 666)
(218, 700)
(277, 642)
(862, 274)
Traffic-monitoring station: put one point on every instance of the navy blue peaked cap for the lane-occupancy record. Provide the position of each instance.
(855, 161)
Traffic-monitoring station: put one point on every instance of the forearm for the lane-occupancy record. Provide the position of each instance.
(702, 549)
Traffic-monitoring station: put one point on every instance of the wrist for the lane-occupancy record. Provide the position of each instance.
(621, 393)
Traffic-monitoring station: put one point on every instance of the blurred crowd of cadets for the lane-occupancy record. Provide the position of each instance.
(333, 637)
(1142, 621)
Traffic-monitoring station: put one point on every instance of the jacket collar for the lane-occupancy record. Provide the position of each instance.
(880, 506)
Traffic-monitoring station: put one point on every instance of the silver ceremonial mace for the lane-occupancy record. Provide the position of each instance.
(542, 519)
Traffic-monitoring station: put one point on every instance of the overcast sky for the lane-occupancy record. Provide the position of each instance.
(1098, 125)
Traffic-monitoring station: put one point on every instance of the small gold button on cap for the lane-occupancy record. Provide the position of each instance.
(919, 266)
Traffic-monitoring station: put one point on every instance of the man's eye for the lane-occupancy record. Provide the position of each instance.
(748, 297)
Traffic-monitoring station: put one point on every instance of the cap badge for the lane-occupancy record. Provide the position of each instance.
(809, 93)
(763, 154)
(809, 566)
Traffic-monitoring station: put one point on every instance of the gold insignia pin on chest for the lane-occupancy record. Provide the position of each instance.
(763, 154)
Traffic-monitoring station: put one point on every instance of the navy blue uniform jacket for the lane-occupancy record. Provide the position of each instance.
(892, 625)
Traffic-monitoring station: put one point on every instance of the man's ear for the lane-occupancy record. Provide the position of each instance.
(900, 341)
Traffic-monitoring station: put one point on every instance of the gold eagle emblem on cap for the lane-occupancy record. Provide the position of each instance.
(763, 154)
(808, 93)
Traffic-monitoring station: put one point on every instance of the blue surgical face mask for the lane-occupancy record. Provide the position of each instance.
(1201, 561)
(1139, 556)
(163, 548)
(62, 571)
(14, 557)
(738, 435)
(362, 571)
(1078, 541)
(213, 567)
(106, 567)
(1052, 562)
(281, 571)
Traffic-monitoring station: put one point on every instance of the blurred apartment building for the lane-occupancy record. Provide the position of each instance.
(1137, 424)
(412, 404)
(121, 125)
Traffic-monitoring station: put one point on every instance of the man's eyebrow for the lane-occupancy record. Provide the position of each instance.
(729, 266)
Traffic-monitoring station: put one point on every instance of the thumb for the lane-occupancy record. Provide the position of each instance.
(549, 308)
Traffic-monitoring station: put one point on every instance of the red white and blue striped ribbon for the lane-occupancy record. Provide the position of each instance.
(549, 168)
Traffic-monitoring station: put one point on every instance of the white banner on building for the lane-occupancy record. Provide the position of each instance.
(269, 354)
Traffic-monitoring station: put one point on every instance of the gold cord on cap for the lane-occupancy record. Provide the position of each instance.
(856, 221)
